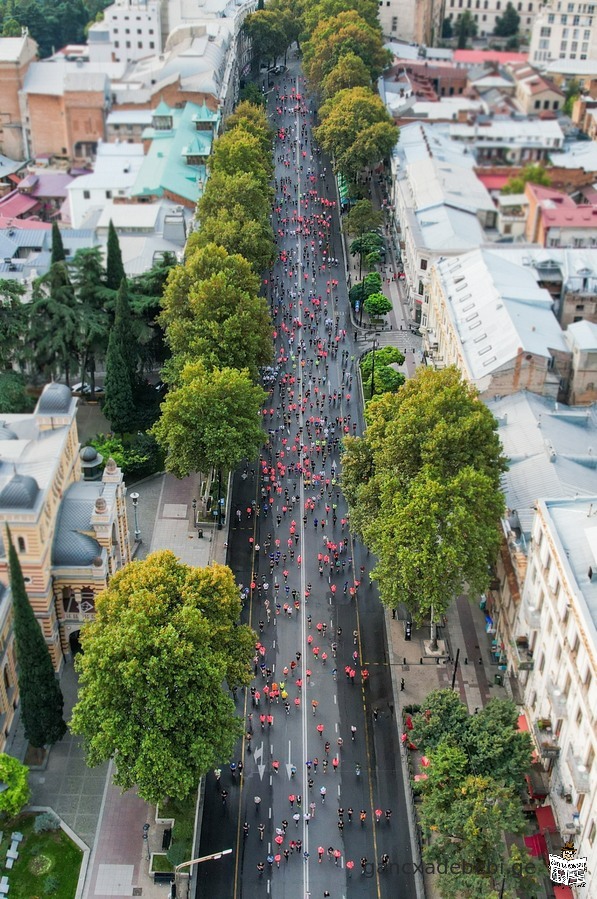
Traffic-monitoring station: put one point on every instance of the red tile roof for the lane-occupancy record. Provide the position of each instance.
(493, 182)
(16, 204)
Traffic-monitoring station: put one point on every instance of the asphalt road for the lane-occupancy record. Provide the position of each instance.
(307, 435)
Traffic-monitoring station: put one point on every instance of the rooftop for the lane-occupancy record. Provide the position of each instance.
(558, 210)
(577, 155)
(550, 448)
(474, 57)
(11, 48)
(583, 335)
(498, 311)
(55, 75)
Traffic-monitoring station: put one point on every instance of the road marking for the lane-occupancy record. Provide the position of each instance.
(258, 756)
(288, 763)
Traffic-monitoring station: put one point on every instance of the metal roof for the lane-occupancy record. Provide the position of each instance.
(74, 543)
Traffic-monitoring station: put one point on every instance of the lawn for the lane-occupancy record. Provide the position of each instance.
(183, 812)
(41, 856)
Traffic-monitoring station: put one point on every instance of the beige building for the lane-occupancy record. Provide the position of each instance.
(582, 340)
(534, 94)
(69, 528)
(491, 320)
(16, 55)
(416, 21)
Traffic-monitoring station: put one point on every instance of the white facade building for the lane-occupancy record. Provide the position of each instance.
(563, 30)
(134, 29)
(116, 168)
(486, 12)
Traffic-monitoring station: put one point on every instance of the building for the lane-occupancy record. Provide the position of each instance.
(127, 125)
(491, 320)
(512, 215)
(581, 337)
(509, 139)
(555, 220)
(416, 21)
(114, 174)
(26, 247)
(486, 12)
(16, 55)
(534, 93)
(177, 146)
(134, 28)
(71, 535)
(441, 207)
(64, 105)
(563, 32)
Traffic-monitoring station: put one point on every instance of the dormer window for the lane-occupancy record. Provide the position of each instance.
(162, 122)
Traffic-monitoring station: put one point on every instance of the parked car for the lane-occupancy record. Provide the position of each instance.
(82, 389)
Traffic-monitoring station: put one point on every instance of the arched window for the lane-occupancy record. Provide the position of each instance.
(21, 544)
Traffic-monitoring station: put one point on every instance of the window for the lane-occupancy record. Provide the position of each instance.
(150, 31)
(537, 104)
(86, 195)
(545, 32)
(588, 679)
(587, 35)
(423, 265)
(421, 288)
(139, 45)
(551, 19)
(151, 45)
(108, 195)
(394, 23)
(116, 44)
(563, 46)
(574, 46)
(139, 31)
(21, 544)
(592, 833)
(579, 717)
(576, 20)
(564, 20)
(116, 31)
(127, 30)
(128, 44)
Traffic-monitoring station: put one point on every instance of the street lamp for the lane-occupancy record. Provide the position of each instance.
(374, 346)
(135, 501)
(196, 519)
(194, 861)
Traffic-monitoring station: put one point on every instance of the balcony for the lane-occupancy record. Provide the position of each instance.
(578, 772)
(523, 656)
(546, 739)
(532, 616)
(558, 700)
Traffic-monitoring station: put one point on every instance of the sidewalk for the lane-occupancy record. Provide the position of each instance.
(119, 860)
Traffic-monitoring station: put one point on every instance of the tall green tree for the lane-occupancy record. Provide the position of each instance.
(252, 118)
(464, 28)
(377, 372)
(349, 71)
(534, 173)
(210, 420)
(119, 406)
(238, 232)
(14, 324)
(58, 254)
(508, 23)
(114, 266)
(41, 698)
(212, 310)
(266, 32)
(241, 151)
(15, 777)
(165, 639)
(356, 130)
(13, 394)
(362, 217)
(87, 271)
(54, 328)
(344, 33)
(315, 13)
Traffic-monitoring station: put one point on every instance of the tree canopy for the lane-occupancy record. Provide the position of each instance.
(210, 419)
(349, 71)
(164, 641)
(356, 129)
(508, 23)
(334, 37)
(533, 173)
(15, 776)
(424, 494)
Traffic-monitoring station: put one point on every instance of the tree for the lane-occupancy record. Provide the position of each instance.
(349, 71)
(54, 323)
(145, 295)
(240, 151)
(94, 322)
(366, 245)
(386, 377)
(443, 718)
(533, 173)
(252, 119)
(14, 324)
(238, 232)
(114, 266)
(572, 92)
(344, 33)
(230, 192)
(507, 24)
(356, 129)
(361, 218)
(465, 27)
(164, 641)
(315, 13)
(467, 823)
(15, 776)
(41, 699)
(377, 304)
(429, 502)
(447, 30)
(58, 254)
(211, 419)
(359, 292)
(212, 311)
(266, 32)
(13, 394)
(119, 407)
(250, 93)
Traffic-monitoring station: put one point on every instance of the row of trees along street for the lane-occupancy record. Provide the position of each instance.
(474, 772)
(423, 488)
(165, 647)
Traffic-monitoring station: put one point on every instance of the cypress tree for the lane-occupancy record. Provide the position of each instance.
(58, 254)
(114, 267)
(41, 698)
(119, 406)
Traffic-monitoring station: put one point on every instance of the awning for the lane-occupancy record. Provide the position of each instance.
(535, 785)
(536, 845)
(545, 819)
(523, 724)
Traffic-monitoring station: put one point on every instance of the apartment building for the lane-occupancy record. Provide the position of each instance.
(555, 220)
(416, 21)
(563, 30)
(16, 55)
(134, 28)
(486, 12)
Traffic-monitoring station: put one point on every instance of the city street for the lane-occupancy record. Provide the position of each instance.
(322, 657)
